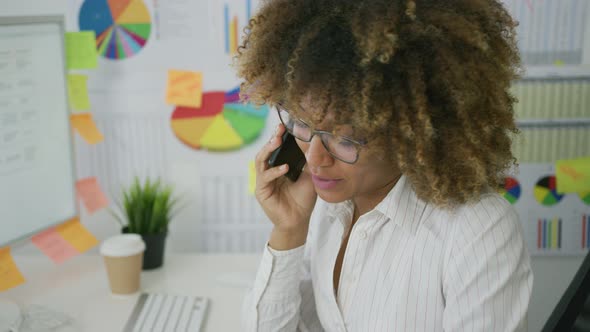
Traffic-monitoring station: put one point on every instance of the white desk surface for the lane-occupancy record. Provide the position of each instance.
(79, 288)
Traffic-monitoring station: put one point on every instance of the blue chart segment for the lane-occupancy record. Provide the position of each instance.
(122, 27)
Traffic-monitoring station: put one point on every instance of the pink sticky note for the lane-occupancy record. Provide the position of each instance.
(91, 195)
(53, 245)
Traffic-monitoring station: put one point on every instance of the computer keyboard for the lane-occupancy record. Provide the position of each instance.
(167, 313)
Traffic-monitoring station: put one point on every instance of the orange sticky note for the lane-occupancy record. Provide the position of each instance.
(85, 126)
(10, 276)
(185, 88)
(91, 194)
(76, 235)
(53, 245)
(251, 177)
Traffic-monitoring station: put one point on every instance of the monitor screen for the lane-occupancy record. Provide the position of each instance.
(37, 179)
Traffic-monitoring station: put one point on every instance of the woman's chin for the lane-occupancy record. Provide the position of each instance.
(330, 197)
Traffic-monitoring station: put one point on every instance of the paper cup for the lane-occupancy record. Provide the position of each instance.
(123, 258)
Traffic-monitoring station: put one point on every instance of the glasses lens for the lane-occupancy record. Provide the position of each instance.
(341, 147)
(296, 127)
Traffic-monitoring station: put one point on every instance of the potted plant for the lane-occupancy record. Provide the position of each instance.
(147, 208)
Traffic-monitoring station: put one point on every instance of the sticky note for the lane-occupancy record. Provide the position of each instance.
(251, 177)
(573, 175)
(81, 50)
(10, 276)
(76, 235)
(91, 194)
(53, 245)
(78, 92)
(84, 124)
(185, 88)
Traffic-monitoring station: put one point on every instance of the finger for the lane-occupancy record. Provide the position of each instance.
(263, 155)
(272, 174)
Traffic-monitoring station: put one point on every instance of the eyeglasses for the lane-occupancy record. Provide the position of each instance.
(342, 148)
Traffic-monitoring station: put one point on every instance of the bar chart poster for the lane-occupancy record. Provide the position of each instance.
(554, 223)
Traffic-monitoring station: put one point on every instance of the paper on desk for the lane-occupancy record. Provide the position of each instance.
(52, 244)
(10, 276)
(81, 50)
(77, 235)
(573, 176)
(78, 92)
(86, 127)
(91, 194)
(185, 88)
(251, 177)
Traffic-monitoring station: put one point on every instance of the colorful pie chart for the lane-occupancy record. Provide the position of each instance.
(511, 190)
(545, 191)
(122, 27)
(220, 124)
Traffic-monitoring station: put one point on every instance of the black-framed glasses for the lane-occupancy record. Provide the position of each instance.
(340, 147)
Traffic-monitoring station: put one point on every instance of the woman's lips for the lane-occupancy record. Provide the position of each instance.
(324, 184)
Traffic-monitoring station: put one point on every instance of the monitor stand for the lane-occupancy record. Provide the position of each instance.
(10, 316)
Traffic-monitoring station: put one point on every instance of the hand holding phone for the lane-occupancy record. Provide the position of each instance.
(288, 202)
(288, 153)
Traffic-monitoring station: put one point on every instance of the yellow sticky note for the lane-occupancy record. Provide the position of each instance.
(81, 50)
(10, 276)
(251, 177)
(85, 126)
(78, 92)
(573, 175)
(77, 235)
(185, 88)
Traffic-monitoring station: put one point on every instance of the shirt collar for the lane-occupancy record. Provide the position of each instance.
(400, 206)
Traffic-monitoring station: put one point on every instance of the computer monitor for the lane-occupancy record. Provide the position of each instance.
(572, 313)
(37, 178)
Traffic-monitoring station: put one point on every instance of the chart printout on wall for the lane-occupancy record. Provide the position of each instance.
(553, 223)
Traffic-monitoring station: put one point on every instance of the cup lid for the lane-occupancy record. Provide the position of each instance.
(122, 245)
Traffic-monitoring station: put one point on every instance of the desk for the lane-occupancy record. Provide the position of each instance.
(79, 288)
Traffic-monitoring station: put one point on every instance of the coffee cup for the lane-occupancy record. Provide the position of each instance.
(123, 258)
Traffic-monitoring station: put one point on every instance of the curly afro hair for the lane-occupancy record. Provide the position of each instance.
(426, 82)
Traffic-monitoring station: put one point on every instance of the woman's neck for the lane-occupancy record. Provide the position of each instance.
(365, 203)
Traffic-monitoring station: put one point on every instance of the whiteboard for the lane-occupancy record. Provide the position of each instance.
(37, 178)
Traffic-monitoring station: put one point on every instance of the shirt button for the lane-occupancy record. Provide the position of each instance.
(363, 235)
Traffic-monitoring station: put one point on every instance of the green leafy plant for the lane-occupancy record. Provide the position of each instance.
(147, 207)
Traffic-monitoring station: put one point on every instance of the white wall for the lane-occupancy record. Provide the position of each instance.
(552, 274)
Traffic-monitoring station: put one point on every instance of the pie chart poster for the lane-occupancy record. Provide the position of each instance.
(553, 223)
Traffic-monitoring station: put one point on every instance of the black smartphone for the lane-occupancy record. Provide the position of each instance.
(288, 153)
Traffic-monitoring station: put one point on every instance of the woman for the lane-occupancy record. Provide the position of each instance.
(403, 112)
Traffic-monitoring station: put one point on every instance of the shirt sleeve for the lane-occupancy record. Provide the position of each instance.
(281, 298)
(487, 278)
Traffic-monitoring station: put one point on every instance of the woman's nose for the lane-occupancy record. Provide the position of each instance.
(316, 153)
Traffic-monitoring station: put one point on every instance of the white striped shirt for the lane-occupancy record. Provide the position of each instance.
(408, 266)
